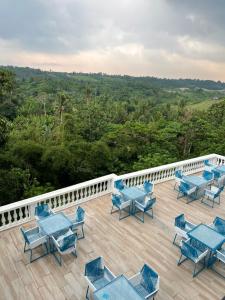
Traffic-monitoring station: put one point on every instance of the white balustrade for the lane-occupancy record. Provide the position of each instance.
(23, 211)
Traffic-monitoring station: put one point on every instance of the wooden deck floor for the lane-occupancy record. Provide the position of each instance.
(125, 246)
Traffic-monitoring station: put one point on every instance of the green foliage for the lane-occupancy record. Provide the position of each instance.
(59, 129)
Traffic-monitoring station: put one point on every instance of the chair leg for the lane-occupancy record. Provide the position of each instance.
(82, 228)
(31, 255)
(24, 249)
(58, 258)
(174, 239)
(87, 297)
(181, 261)
(200, 270)
(139, 218)
(74, 253)
(121, 218)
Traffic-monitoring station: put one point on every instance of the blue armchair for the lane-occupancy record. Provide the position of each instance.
(178, 178)
(208, 165)
(218, 225)
(144, 206)
(97, 275)
(212, 195)
(207, 175)
(64, 244)
(78, 220)
(182, 226)
(194, 251)
(219, 178)
(146, 282)
(186, 190)
(33, 238)
(121, 205)
(220, 256)
(42, 211)
(148, 187)
(119, 184)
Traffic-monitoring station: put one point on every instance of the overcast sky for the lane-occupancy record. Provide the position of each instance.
(163, 38)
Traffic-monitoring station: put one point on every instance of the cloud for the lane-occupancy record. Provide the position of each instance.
(170, 38)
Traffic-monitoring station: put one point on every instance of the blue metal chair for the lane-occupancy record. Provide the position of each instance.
(121, 205)
(219, 178)
(207, 175)
(220, 256)
(97, 275)
(64, 244)
(218, 225)
(78, 220)
(186, 190)
(33, 238)
(208, 165)
(144, 206)
(146, 282)
(178, 178)
(119, 184)
(212, 195)
(182, 226)
(42, 211)
(194, 251)
(148, 187)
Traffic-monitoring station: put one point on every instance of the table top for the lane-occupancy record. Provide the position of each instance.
(220, 169)
(195, 180)
(118, 289)
(207, 236)
(133, 193)
(54, 223)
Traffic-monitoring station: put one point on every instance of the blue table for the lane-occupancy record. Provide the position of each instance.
(209, 237)
(118, 289)
(54, 223)
(133, 193)
(197, 181)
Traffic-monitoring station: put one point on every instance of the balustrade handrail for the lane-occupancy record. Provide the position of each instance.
(169, 166)
(54, 193)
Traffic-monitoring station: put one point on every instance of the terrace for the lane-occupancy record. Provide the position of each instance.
(125, 245)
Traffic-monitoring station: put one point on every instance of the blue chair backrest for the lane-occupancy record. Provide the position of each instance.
(94, 269)
(188, 250)
(216, 174)
(119, 185)
(207, 175)
(116, 200)
(184, 187)
(149, 278)
(219, 192)
(68, 241)
(219, 223)
(198, 245)
(80, 213)
(178, 174)
(148, 186)
(207, 163)
(149, 203)
(42, 210)
(24, 235)
(180, 221)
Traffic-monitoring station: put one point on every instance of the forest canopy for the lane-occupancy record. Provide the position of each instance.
(59, 129)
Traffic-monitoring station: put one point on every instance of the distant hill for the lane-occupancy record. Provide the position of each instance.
(145, 81)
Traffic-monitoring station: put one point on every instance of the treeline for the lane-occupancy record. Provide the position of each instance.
(125, 80)
(57, 132)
